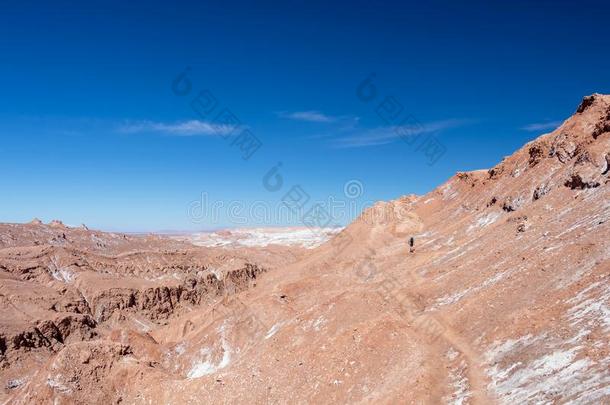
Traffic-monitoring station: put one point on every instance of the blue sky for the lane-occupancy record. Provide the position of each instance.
(92, 131)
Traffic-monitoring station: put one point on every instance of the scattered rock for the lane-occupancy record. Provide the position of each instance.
(603, 126)
(583, 158)
(536, 153)
(606, 167)
(12, 384)
(540, 191)
(495, 172)
(563, 147)
(575, 182)
(512, 203)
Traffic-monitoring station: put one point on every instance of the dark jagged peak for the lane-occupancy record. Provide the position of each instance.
(578, 135)
(592, 100)
(597, 109)
(586, 102)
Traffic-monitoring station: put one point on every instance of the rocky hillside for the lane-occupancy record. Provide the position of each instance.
(62, 287)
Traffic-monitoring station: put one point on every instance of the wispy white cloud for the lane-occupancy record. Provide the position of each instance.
(180, 128)
(370, 137)
(386, 135)
(541, 126)
(308, 116)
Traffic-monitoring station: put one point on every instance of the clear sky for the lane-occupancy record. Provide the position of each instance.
(93, 130)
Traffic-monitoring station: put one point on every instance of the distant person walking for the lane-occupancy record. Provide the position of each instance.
(411, 245)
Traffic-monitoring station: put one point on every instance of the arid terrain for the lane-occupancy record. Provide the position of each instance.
(505, 298)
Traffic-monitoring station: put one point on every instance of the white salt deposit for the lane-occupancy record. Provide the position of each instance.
(260, 237)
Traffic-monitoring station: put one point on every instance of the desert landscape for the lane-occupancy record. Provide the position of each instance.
(504, 297)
